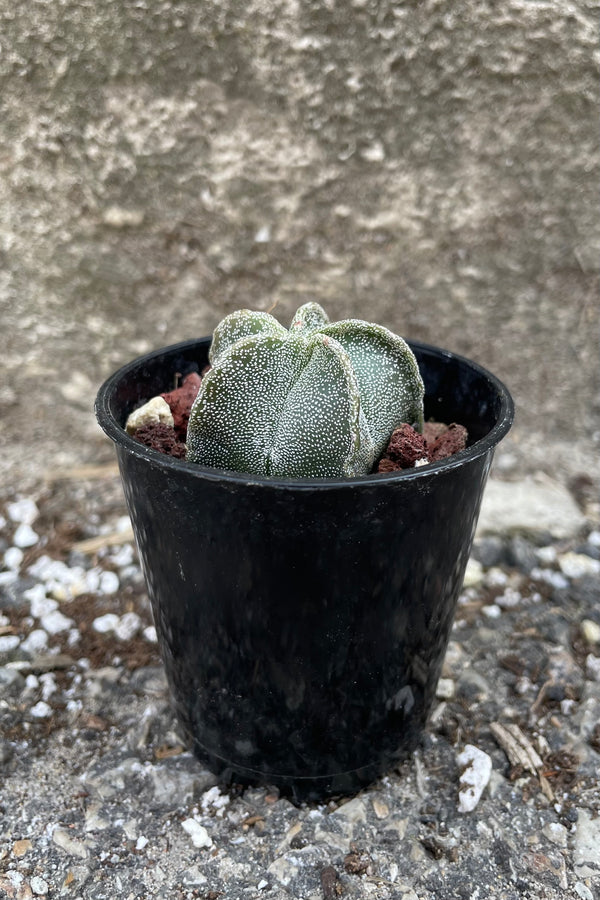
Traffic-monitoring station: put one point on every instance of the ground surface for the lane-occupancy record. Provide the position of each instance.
(101, 798)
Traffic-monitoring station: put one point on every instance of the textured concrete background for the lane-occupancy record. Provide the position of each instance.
(427, 165)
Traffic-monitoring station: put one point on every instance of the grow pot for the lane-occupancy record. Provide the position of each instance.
(303, 622)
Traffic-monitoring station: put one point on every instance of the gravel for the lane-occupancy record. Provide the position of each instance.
(101, 797)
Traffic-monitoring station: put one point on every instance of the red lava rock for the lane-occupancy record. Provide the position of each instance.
(406, 446)
(432, 431)
(161, 437)
(448, 443)
(180, 402)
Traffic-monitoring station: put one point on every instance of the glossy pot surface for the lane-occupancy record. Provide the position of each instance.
(303, 623)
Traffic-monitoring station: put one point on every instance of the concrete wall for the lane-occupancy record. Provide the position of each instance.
(429, 165)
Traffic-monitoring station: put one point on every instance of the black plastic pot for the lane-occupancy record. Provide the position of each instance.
(303, 623)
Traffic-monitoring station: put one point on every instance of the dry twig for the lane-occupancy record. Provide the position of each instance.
(521, 752)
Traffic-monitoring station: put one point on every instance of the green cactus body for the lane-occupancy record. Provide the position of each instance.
(319, 400)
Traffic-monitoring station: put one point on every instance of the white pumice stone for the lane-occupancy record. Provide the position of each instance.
(13, 558)
(23, 511)
(477, 769)
(154, 412)
(25, 536)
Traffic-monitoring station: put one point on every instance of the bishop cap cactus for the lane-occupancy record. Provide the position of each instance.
(318, 400)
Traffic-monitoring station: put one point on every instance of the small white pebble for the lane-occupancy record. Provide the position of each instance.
(13, 558)
(109, 583)
(262, 884)
(590, 631)
(141, 843)
(25, 536)
(549, 576)
(594, 539)
(214, 799)
(106, 623)
(509, 599)
(40, 605)
(150, 634)
(8, 578)
(123, 556)
(547, 555)
(576, 565)
(48, 685)
(32, 682)
(473, 574)
(492, 611)
(24, 510)
(592, 667)
(197, 832)
(495, 577)
(446, 689)
(9, 642)
(92, 580)
(567, 706)
(477, 767)
(41, 710)
(36, 641)
(38, 886)
(128, 626)
(54, 622)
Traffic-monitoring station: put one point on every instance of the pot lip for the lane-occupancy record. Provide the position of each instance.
(116, 432)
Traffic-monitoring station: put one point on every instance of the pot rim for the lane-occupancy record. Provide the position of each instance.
(116, 432)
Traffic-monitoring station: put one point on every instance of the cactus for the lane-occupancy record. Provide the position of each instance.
(318, 400)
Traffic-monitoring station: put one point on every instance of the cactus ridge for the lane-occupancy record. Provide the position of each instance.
(319, 400)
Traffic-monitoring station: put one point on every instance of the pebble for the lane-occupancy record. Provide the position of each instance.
(592, 667)
(25, 536)
(54, 622)
(39, 886)
(156, 411)
(489, 551)
(446, 689)
(576, 565)
(197, 832)
(477, 768)
(128, 626)
(473, 573)
(590, 631)
(24, 511)
(13, 558)
(532, 506)
(9, 642)
(35, 642)
(41, 710)
(106, 623)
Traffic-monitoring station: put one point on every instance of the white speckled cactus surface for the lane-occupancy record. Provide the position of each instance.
(318, 400)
